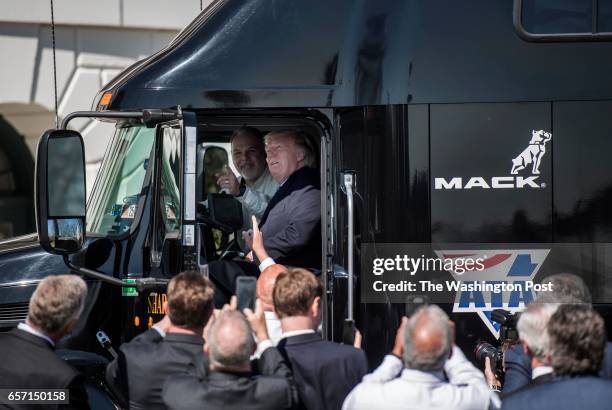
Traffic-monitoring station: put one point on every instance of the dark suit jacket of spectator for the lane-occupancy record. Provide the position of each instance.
(143, 365)
(518, 367)
(325, 372)
(545, 378)
(291, 224)
(569, 393)
(29, 362)
(272, 388)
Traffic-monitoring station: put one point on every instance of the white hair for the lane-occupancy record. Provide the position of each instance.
(56, 301)
(532, 328)
(432, 319)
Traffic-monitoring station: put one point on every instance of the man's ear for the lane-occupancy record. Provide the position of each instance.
(70, 326)
(315, 308)
(300, 155)
(165, 308)
(525, 348)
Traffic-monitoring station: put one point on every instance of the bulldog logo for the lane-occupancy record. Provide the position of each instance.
(532, 155)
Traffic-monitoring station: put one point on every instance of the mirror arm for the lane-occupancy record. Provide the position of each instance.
(98, 114)
(92, 273)
(139, 283)
(149, 117)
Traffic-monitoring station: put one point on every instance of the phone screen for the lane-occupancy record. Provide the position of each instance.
(245, 292)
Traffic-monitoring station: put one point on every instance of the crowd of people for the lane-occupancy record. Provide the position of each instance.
(207, 354)
(273, 357)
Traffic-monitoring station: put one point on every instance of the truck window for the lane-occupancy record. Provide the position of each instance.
(556, 20)
(170, 177)
(114, 198)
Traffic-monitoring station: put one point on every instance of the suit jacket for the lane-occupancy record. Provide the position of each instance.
(325, 372)
(273, 388)
(29, 362)
(518, 367)
(586, 392)
(545, 378)
(291, 224)
(143, 365)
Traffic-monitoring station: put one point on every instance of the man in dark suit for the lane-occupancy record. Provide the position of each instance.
(291, 223)
(28, 360)
(143, 365)
(324, 372)
(228, 381)
(535, 348)
(567, 288)
(577, 341)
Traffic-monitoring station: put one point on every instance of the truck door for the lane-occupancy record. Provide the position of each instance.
(170, 237)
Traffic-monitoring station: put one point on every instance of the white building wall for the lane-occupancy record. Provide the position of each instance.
(94, 42)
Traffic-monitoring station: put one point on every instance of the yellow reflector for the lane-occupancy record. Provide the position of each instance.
(105, 100)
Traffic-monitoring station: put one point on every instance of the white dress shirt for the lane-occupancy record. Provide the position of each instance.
(273, 324)
(540, 371)
(465, 388)
(256, 197)
(297, 333)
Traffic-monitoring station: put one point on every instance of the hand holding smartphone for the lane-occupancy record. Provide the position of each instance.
(245, 292)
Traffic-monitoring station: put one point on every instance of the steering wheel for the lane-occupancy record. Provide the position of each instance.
(228, 248)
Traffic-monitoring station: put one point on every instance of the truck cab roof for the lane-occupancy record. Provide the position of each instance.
(261, 53)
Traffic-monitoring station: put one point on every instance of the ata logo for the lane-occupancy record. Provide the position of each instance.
(514, 268)
(532, 155)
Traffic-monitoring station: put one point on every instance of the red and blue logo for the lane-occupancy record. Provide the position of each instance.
(504, 281)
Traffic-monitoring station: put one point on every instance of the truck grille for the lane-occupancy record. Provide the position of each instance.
(14, 312)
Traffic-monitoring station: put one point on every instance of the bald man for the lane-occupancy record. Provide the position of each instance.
(424, 353)
(265, 287)
(229, 382)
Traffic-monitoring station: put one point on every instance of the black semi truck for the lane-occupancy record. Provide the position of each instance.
(437, 122)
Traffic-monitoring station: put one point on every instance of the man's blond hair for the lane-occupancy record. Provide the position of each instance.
(301, 141)
(56, 301)
(294, 292)
(190, 299)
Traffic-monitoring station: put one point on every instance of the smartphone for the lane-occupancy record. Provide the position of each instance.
(245, 292)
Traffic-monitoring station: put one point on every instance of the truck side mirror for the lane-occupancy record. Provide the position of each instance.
(60, 192)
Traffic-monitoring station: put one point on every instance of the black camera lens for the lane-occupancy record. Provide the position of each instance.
(484, 349)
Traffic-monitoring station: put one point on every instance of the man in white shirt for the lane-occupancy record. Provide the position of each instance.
(265, 287)
(255, 186)
(424, 352)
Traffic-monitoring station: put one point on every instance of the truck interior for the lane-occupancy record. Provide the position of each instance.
(215, 132)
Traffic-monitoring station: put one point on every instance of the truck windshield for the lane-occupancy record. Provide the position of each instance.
(114, 198)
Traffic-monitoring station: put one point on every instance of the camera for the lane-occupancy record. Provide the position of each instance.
(508, 336)
(495, 355)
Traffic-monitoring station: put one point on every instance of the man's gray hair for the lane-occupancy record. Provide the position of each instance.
(56, 301)
(532, 328)
(301, 140)
(231, 341)
(432, 321)
(567, 288)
